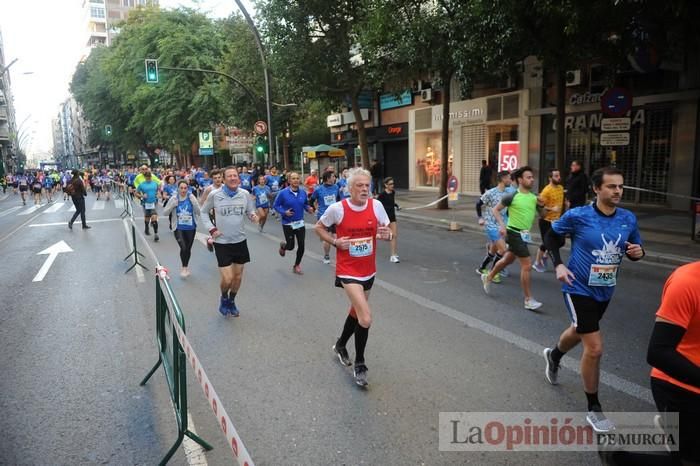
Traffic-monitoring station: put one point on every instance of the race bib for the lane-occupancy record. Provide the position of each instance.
(360, 247)
(150, 205)
(184, 219)
(298, 224)
(275, 186)
(262, 198)
(602, 275)
(525, 235)
(328, 200)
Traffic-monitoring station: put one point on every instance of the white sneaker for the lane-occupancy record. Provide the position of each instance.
(599, 422)
(394, 259)
(532, 304)
(326, 259)
(539, 267)
(487, 284)
(185, 272)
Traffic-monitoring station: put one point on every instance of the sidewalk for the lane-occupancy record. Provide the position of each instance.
(665, 234)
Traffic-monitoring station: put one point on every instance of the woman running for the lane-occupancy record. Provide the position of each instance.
(186, 210)
(387, 200)
(262, 193)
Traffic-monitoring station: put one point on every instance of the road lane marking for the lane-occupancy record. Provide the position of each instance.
(53, 251)
(54, 224)
(98, 205)
(54, 208)
(10, 210)
(72, 208)
(30, 210)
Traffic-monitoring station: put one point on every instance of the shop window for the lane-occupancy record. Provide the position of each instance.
(473, 152)
(493, 109)
(428, 158)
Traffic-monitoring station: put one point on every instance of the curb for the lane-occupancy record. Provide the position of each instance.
(651, 256)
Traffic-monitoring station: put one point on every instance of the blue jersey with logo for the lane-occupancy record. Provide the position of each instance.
(273, 181)
(48, 182)
(170, 189)
(262, 196)
(597, 248)
(246, 181)
(204, 182)
(325, 195)
(343, 188)
(130, 178)
(150, 189)
(185, 214)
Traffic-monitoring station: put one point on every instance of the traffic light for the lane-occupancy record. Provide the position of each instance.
(151, 70)
(108, 130)
(260, 148)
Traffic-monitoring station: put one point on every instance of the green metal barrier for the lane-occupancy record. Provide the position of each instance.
(172, 357)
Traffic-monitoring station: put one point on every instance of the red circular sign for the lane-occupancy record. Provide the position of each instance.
(616, 102)
(260, 127)
(452, 184)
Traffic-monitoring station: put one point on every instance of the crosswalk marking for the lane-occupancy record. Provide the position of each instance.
(30, 210)
(72, 208)
(98, 205)
(10, 210)
(55, 207)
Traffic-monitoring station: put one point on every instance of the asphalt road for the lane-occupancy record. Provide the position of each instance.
(78, 342)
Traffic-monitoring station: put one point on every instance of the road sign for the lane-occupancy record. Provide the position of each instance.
(452, 184)
(206, 143)
(508, 155)
(615, 139)
(616, 124)
(616, 101)
(260, 127)
(53, 252)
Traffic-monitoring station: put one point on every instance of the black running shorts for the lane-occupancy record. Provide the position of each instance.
(516, 244)
(671, 398)
(585, 312)
(231, 253)
(366, 285)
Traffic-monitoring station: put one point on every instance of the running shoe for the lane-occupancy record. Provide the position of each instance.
(260, 228)
(360, 373)
(342, 355)
(504, 273)
(496, 278)
(531, 304)
(282, 250)
(540, 268)
(185, 272)
(326, 259)
(599, 422)
(233, 309)
(482, 271)
(551, 370)
(297, 270)
(224, 306)
(155, 238)
(487, 284)
(147, 233)
(394, 259)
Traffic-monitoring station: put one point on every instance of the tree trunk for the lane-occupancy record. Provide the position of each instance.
(560, 158)
(445, 138)
(361, 132)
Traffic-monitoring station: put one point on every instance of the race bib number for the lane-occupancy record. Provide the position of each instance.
(328, 200)
(298, 224)
(184, 219)
(361, 247)
(149, 205)
(602, 275)
(275, 186)
(262, 198)
(525, 235)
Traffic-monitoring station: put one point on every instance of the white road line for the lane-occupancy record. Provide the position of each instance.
(54, 208)
(98, 205)
(72, 208)
(55, 224)
(30, 210)
(139, 273)
(10, 210)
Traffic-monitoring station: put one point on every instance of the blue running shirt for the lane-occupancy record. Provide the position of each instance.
(246, 181)
(150, 189)
(185, 214)
(325, 195)
(597, 248)
(262, 196)
(273, 181)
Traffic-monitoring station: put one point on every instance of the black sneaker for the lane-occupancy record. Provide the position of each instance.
(342, 354)
(155, 238)
(282, 249)
(147, 233)
(360, 374)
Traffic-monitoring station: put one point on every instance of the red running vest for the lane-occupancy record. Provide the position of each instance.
(358, 262)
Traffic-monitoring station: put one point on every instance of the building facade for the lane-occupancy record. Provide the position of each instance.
(8, 125)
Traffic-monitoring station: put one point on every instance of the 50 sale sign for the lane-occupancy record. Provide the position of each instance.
(508, 155)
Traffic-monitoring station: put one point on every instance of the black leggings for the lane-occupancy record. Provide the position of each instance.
(300, 235)
(185, 238)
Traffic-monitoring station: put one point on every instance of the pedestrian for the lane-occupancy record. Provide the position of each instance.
(387, 198)
(186, 209)
(602, 234)
(552, 200)
(147, 192)
(522, 208)
(231, 204)
(577, 186)
(377, 172)
(325, 194)
(291, 203)
(485, 175)
(76, 190)
(359, 221)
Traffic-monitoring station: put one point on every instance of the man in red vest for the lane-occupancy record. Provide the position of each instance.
(359, 222)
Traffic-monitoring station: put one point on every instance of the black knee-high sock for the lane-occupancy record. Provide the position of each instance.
(592, 398)
(496, 259)
(232, 295)
(348, 330)
(361, 335)
(155, 227)
(146, 226)
(557, 354)
(489, 257)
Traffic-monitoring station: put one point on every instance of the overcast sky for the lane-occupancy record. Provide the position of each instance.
(47, 37)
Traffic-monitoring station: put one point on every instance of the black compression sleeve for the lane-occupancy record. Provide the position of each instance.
(663, 355)
(553, 242)
(479, 203)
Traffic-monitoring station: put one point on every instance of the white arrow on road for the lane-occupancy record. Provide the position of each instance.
(53, 252)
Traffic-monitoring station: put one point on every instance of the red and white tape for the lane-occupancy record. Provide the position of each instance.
(240, 453)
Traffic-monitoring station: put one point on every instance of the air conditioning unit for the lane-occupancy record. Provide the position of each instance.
(573, 78)
(426, 95)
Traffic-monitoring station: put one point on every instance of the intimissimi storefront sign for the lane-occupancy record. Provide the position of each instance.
(593, 120)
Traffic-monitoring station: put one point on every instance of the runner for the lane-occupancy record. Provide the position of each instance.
(106, 180)
(324, 195)
(310, 182)
(230, 245)
(552, 199)
(37, 188)
(246, 179)
(359, 221)
(274, 181)
(522, 209)
(48, 188)
(496, 244)
(291, 203)
(674, 354)
(147, 192)
(186, 213)
(168, 190)
(65, 181)
(343, 184)
(601, 235)
(386, 197)
(262, 192)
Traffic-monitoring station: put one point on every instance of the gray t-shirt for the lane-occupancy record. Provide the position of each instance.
(230, 212)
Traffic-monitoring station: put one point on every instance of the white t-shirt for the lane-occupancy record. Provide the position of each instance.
(334, 213)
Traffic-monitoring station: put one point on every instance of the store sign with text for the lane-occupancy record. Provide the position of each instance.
(508, 155)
